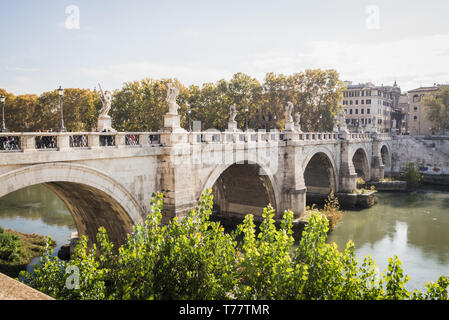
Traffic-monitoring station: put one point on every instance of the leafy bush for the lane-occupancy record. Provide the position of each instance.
(411, 175)
(360, 181)
(193, 258)
(9, 246)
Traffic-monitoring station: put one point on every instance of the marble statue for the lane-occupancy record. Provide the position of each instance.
(172, 94)
(297, 119)
(232, 113)
(106, 100)
(288, 112)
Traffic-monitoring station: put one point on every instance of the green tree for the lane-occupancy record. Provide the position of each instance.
(437, 108)
(193, 258)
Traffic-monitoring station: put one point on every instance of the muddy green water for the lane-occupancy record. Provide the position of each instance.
(37, 209)
(414, 226)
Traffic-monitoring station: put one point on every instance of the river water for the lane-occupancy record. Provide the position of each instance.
(37, 209)
(414, 226)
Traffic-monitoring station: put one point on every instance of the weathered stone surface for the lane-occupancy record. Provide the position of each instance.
(11, 289)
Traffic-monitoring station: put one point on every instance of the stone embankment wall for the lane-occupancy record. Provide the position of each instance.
(431, 154)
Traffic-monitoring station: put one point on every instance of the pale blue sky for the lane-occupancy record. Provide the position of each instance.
(204, 41)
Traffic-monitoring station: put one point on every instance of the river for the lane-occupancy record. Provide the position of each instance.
(413, 226)
(37, 209)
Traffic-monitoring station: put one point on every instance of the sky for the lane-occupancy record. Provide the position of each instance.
(45, 44)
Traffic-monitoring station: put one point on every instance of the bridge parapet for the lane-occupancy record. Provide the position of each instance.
(56, 141)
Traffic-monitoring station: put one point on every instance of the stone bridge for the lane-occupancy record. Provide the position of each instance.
(107, 179)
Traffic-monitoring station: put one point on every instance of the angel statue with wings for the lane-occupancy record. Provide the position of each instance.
(106, 99)
(232, 113)
(172, 93)
(288, 112)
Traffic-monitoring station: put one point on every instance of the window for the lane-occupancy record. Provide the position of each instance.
(362, 111)
(415, 108)
(362, 101)
(369, 120)
(367, 111)
(368, 101)
(350, 111)
(356, 102)
(356, 111)
(350, 102)
(415, 118)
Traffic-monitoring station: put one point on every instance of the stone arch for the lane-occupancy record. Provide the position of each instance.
(320, 176)
(93, 198)
(385, 154)
(361, 164)
(242, 188)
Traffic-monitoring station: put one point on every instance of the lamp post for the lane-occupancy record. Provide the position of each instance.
(246, 118)
(61, 122)
(2, 99)
(188, 119)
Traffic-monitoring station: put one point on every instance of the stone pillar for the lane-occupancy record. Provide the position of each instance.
(347, 174)
(28, 142)
(176, 169)
(93, 140)
(177, 183)
(63, 142)
(377, 167)
(294, 189)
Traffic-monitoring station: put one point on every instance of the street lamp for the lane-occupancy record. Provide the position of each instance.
(2, 99)
(188, 118)
(61, 122)
(246, 119)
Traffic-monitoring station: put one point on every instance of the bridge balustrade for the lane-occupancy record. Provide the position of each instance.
(79, 141)
(48, 141)
(10, 143)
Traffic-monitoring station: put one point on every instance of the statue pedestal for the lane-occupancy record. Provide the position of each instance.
(232, 126)
(289, 126)
(172, 133)
(104, 123)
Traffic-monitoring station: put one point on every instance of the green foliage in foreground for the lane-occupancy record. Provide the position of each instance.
(193, 258)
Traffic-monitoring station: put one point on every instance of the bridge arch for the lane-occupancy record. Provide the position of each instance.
(242, 188)
(320, 175)
(385, 154)
(93, 198)
(361, 164)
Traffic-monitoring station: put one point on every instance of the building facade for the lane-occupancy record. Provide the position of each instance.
(369, 107)
(417, 121)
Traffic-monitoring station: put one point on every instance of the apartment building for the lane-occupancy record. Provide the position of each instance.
(418, 123)
(369, 107)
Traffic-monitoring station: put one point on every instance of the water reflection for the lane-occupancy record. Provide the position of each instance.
(36, 203)
(36, 209)
(412, 226)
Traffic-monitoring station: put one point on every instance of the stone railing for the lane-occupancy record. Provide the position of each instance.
(234, 137)
(53, 141)
(361, 136)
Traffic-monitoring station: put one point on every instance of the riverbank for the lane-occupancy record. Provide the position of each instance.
(18, 249)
